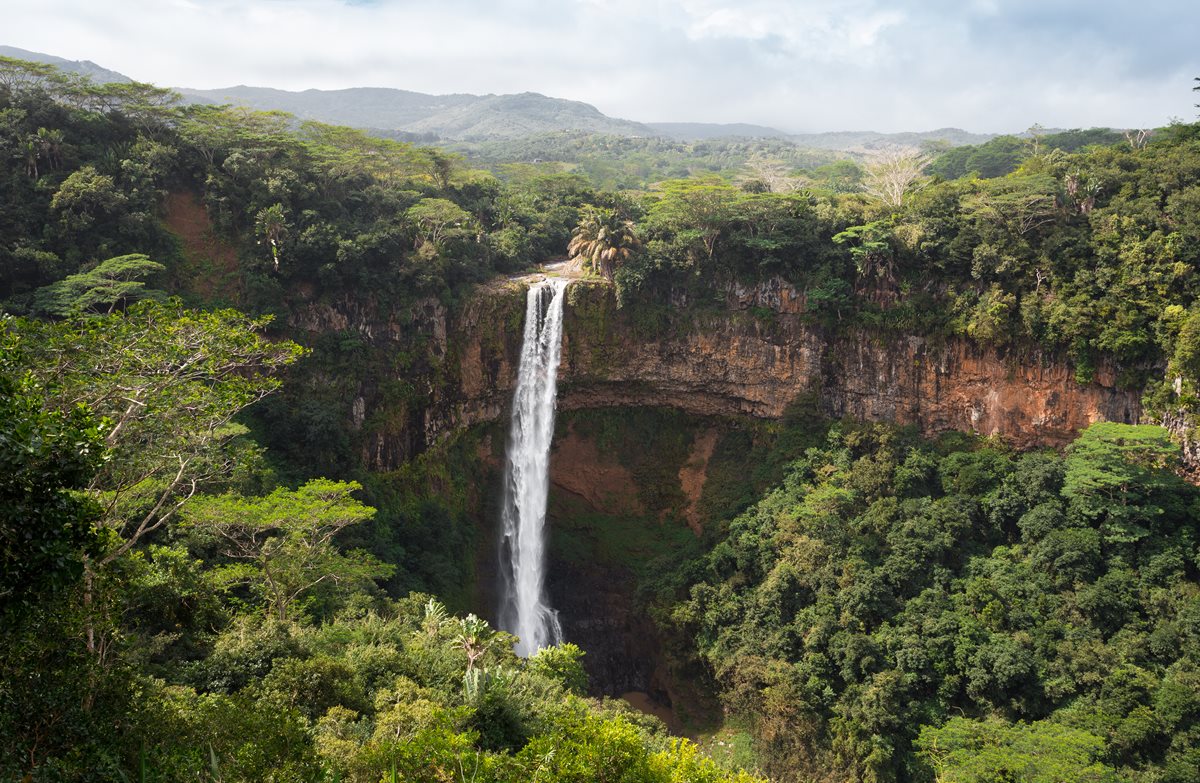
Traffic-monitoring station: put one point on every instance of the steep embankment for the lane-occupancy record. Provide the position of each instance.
(614, 512)
(753, 356)
(757, 354)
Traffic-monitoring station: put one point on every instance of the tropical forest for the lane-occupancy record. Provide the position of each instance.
(516, 443)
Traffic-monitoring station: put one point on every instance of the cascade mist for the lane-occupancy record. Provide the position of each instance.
(524, 608)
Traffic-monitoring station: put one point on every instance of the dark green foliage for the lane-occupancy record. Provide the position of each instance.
(44, 529)
(1003, 154)
(886, 585)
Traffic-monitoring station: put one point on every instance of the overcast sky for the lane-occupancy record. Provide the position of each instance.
(799, 65)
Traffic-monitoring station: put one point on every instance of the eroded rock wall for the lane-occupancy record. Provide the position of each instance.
(758, 354)
(753, 355)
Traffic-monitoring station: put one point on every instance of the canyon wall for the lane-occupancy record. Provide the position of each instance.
(758, 354)
(751, 355)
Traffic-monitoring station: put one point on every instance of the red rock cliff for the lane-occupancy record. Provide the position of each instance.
(752, 356)
(759, 353)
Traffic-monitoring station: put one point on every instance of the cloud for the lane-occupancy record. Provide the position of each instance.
(796, 64)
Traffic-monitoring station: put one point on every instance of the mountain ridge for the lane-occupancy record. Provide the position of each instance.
(84, 67)
(466, 117)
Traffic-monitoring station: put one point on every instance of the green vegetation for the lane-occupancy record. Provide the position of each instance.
(604, 239)
(635, 162)
(1089, 255)
(903, 610)
(180, 618)
(184, 597)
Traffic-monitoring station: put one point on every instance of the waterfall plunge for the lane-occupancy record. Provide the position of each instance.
(524, 610)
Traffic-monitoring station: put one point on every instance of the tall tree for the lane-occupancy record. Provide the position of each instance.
(170, 381)
(282, 545)
(271, 225)
(112, 284)
(696, 211)
(893, 173)
(604, 239)
(437, 219)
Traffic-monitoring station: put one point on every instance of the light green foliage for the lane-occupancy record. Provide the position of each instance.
(1112, 460)
(282, 544)
(1116, 474)
(585, 749)
(697, 212)
(870, 247)
(966, 751)
(617, 163)
(85, 197)
(170, 381)
(562, 663)
(843, 176)
(368, 693)
(111, 284)
(437, 220)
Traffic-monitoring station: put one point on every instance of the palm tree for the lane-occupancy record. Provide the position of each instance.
(604, 239)
(474, 638)
(49, 143)
(272, 226)
(31, 153)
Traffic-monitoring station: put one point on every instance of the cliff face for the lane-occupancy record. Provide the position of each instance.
(753, 356)
(756, 355)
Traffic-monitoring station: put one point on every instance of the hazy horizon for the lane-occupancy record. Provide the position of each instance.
(800, 67)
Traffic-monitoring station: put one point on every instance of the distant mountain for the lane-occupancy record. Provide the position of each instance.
(359, 107)
(527, 114)
(85, 67)
(416, 116)
(455, 117)
(835, 140)
(871, 140)
(699, 131)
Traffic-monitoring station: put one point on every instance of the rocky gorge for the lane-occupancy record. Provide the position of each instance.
(750, 356)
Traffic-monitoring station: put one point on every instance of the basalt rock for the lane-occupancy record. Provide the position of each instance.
(752, 356)
(758, 354)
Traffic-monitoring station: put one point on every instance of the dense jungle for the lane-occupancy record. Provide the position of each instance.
(868, 467)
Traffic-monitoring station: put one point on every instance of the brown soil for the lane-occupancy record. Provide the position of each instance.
(210, 267)
(643, 703)
(578, 467)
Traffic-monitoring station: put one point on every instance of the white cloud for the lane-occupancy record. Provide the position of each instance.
(797, 64)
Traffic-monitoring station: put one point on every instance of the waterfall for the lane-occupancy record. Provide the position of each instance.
(525, 610)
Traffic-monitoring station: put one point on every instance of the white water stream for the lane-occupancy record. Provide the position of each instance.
(524, 609)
